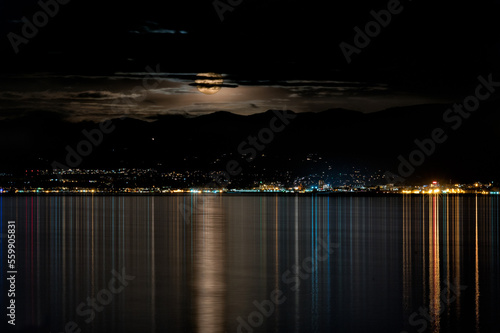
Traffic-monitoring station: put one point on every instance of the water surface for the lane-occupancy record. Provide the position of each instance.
(229, 263)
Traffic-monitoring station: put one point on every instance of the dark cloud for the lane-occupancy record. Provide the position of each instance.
(33, 113)
(97, 95)
(151, 27)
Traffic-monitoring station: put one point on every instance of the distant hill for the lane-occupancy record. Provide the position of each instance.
(340, 137)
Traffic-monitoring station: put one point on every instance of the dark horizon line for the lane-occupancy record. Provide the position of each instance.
(187, 115)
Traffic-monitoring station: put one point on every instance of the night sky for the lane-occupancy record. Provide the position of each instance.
(270, 54)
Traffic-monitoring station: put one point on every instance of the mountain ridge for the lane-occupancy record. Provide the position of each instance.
(340, 136)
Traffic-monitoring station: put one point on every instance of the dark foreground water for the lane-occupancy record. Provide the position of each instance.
(253, 263)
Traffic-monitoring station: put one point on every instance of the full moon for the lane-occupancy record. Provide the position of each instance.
(209, 83)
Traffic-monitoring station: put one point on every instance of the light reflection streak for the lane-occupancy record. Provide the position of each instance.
(434, 265)
(407, 252)
(92, 256)
(476, 276)
(209, 277)
(153, 267)
(456, 272)
(446, 203)
(424, 259)
(277, 262)
(296, 247)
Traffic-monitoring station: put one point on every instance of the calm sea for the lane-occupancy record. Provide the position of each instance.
(239, 263)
